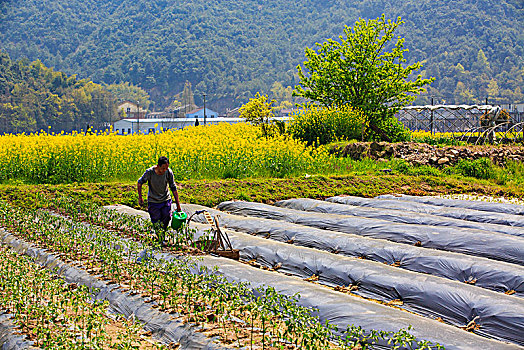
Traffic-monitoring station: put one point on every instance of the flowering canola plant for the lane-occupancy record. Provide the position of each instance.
(424, 133)
(210, 152)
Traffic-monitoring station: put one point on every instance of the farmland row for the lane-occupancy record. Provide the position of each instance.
(52, 313)
(181, 286)
(490, 274)
(475, 242)
(505, 222)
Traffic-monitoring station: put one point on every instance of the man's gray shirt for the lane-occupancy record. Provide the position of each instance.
(158, 185)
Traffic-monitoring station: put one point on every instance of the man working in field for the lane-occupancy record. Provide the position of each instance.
(159, 177)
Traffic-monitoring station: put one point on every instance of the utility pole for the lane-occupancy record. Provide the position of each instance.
(431, 117)
(138, 115)
(204, 108)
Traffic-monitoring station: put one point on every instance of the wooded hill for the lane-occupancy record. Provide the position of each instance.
(34, 98)
(232, 49)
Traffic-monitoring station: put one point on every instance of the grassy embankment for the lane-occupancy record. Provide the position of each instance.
(265, 190)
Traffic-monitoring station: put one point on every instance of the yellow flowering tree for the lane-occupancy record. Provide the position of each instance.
(258, 111)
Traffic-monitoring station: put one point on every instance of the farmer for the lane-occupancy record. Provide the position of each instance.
(159, 177)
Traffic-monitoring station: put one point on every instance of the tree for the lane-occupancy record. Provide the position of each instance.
(283, 96)
(258, 111)
(188, 100)
(34, 97)
(481, 65)
(493, 91)
(129, 92)
(359, 70)
(462, 94)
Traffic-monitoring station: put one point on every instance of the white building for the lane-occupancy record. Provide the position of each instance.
(199, 113)
(151, 126)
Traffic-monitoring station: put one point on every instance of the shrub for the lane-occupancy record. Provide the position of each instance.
(426, 170)
(514, 172)
(481, 168)
(322, 125)
(401, 166)
(391, 127)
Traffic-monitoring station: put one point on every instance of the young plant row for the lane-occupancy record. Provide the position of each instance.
(242, 315)
(131, 226)
(57, 315)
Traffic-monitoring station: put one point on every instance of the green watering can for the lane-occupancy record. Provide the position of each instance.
(178, 219)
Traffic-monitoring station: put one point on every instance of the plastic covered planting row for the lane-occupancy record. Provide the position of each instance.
(394, 215)
(472, 211)
(475, 242)
(491, 274)
(494, 207)
(499, 315)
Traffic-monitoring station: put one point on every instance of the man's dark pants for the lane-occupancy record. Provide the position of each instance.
(160, 213)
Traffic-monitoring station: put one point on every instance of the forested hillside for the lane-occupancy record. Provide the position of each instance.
(232, 49)
(34, 97)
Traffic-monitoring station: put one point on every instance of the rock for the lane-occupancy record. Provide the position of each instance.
(374, 146)
(389, 150)
(424, 154)
(355, 151)
(419, 161)
(443, 160)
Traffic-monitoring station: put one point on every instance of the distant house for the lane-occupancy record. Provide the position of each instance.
(199, 113)
(515, 110)
(286, 112)
(128, 109)
(514, 107)
(178, 112)
(233, 113)
(158, 115)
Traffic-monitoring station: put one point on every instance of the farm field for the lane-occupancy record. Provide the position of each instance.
(213, 153)
(217, 152)
(360, 273)
(331, 271)
(55, 314)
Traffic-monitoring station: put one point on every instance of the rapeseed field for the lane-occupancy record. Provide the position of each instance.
(210, 152)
